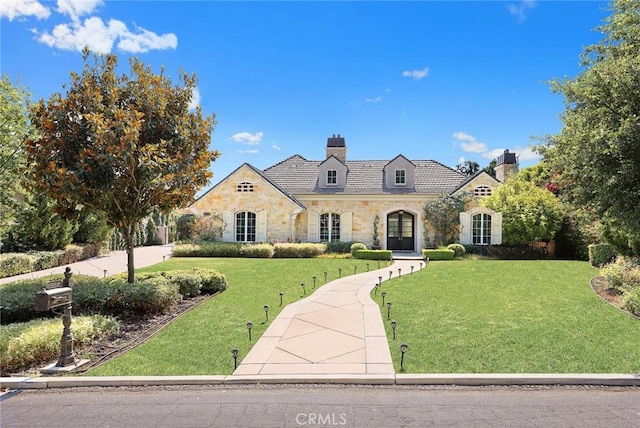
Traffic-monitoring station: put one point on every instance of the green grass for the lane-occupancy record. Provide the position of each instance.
(489, 316)
(200, 342)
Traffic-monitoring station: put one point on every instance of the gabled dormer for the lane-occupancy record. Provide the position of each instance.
(400, 173)
(332, 174)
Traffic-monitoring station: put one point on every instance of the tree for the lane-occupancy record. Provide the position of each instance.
(491, 168)
(121, 145)
(442, 215)
(468, 167)
(529, 213)
(14, 125)
(596, 154)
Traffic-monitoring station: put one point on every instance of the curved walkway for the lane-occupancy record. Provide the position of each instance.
(338, 330)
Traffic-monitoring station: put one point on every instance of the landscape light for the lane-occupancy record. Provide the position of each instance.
(314, 282)
(304, 290)
(383, 294)
(249, 327)
(281, 294)
(403, 348)
(235, 353)
(393, 327)
(340, 273)
(325, 276)
(355, 269)
(411, 269)
(390, 273)
(399, 273)
(266, 311)
(388, 310)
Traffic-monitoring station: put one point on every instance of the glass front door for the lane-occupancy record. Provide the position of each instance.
(400, 231)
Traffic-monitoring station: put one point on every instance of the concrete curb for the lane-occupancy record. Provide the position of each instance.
(462, 379)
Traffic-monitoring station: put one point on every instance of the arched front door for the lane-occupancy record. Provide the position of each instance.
(400, 231)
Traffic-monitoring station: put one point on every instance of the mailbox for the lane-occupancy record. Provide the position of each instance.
(53, 298)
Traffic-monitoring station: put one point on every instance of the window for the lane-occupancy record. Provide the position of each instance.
(332, 177)
(481, 191)
(245, 227)
(329, 227)
(401, 177)
(245, 186)
(481, 229)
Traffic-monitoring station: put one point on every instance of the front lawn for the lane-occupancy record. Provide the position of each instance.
(200, 342)
(490, 316)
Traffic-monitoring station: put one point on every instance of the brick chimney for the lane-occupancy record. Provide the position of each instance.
(507, 166)
(337, 147)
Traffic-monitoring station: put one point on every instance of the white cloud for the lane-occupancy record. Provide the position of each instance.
(12, 9)
(416, 74)
(248, 138)
(250, 151)
(526, 154)
(522, 9)
(195, 99)
(492, 154)
(77, 8)
(275, 147)
(100, 37)
(469, 143)
(461, 159)
(373, 100)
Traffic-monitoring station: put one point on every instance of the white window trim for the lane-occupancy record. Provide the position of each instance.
(395, 178)
(335, 171)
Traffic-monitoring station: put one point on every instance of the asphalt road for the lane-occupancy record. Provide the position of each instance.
(327, 406)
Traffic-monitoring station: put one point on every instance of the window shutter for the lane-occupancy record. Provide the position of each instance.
(346, 223)
(229, 222)
(465, 228)
(312, 227)
(261, 226)
(496, 229)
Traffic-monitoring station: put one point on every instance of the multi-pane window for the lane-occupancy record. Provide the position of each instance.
(245, 226)
(481, 191)
(329, 227)
(332, 177)
(245, 186)
(481, 229)
(401, 176)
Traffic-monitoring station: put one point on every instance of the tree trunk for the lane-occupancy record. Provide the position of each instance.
(128, 237)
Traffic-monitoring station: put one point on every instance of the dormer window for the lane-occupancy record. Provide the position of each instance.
(332, 177)
(481, 191)
(401, 177)
(245, 186)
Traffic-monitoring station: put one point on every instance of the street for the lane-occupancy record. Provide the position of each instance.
(323, 406)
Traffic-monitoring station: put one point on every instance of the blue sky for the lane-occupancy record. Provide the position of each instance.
(446, 81)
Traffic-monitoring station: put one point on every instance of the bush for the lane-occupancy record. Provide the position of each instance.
(476, 249)
(355, 247)
(189, 283)
(208, 249)
(46, 259)
(260, 251)
(292, 251)
(600, 254)
(373, 254)
(339, 247)
(212, 280)
(148, 297)
(517, 252)
(631, 301)
(612, 273)
(15, 264)
(71, 254)
(18, 300)
(36, 342)
(439, 254)
(458, 249)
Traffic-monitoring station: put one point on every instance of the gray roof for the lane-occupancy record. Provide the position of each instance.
(297, 175)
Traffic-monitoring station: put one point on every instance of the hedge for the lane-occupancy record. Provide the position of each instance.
(439, 254)
(12, 264)
(208, 249)
(257, 251)
(303, 250)
(339, 246)
(373, 254)
(26, 344)
(601, 254)
(358, 246)
(458, 249)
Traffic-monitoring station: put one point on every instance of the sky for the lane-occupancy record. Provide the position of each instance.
(448, 81)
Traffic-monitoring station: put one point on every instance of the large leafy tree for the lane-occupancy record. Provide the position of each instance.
(468, 167)
(596, 155)
(529, 213)
(14, 126)
(121, 144)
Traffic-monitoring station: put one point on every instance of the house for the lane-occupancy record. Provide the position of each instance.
(337, 199)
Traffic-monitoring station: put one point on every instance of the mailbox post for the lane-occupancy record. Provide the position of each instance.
(55, 295)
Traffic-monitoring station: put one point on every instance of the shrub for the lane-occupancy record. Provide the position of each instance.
(612, 273)
(71, 254)
(373, 254)
(600, 254)
(186, 250)
(212, 280)
(15, 264)
(517, 252)
(148, 297)
(357, 246)
(339, 247)
(293, 251)
(458, 249)
(38, 341)
(46, 259)
(189, 283)
(18, 300)
(476, 249)
(439, 254)
(631, 301)
(261, 251)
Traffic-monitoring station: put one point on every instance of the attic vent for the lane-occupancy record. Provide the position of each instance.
(293, 166)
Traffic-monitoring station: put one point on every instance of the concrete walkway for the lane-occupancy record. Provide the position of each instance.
(338, 330)
(113, 263)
